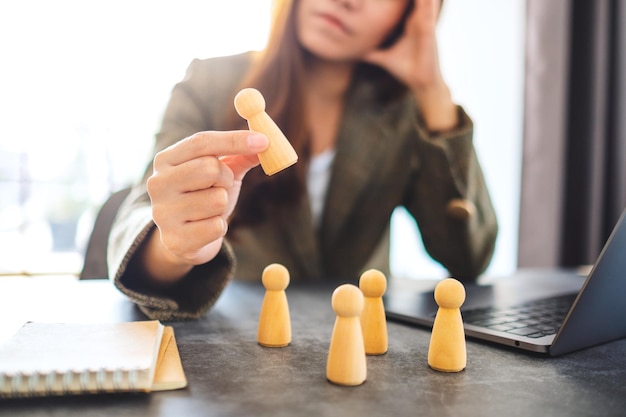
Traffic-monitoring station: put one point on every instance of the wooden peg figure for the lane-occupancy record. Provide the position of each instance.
(279, 155)
(346, 355)
(446, 351)
(274, 321)
(373, 284)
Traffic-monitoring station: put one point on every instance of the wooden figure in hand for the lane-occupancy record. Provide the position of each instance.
(373, 284)
(346, 355)
(446, 351)
(279, 155)
(274, 321)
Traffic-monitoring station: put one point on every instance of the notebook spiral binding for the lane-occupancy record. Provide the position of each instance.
(66, 383)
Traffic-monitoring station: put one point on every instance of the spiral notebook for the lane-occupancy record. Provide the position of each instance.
(46, 359)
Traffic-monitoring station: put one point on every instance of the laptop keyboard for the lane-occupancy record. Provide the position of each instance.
(533, 319)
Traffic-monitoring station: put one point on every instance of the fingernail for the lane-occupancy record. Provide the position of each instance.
(257, 141)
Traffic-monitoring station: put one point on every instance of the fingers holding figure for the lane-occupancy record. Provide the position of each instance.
(195, 186)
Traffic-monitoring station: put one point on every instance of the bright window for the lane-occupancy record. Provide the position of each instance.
(82, 88)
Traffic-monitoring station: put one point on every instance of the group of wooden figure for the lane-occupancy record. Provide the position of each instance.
(361, 326)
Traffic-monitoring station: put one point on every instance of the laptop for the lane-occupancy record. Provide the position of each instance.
(552, 311)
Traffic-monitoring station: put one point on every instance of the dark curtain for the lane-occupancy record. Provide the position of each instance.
(574, 161)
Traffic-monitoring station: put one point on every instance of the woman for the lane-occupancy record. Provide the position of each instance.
(356, 87)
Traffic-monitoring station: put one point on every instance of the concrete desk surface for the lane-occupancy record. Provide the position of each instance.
(229, 374)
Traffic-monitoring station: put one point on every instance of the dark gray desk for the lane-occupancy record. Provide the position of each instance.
(231, 375)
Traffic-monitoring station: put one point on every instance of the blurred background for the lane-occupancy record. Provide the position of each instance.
(83, 86)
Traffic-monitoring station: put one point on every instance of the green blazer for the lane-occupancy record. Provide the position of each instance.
(384, 158)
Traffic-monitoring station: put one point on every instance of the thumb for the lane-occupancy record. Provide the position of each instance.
(240, 164)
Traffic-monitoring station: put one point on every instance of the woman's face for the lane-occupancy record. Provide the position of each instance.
(346, 29)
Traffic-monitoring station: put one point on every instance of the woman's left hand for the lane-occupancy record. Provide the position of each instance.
(414, 60)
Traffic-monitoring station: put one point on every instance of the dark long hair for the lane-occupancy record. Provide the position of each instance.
(279, 73)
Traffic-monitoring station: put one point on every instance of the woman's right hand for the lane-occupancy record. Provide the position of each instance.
(194, 189)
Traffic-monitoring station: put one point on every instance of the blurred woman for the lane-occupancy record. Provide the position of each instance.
(356, 87)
